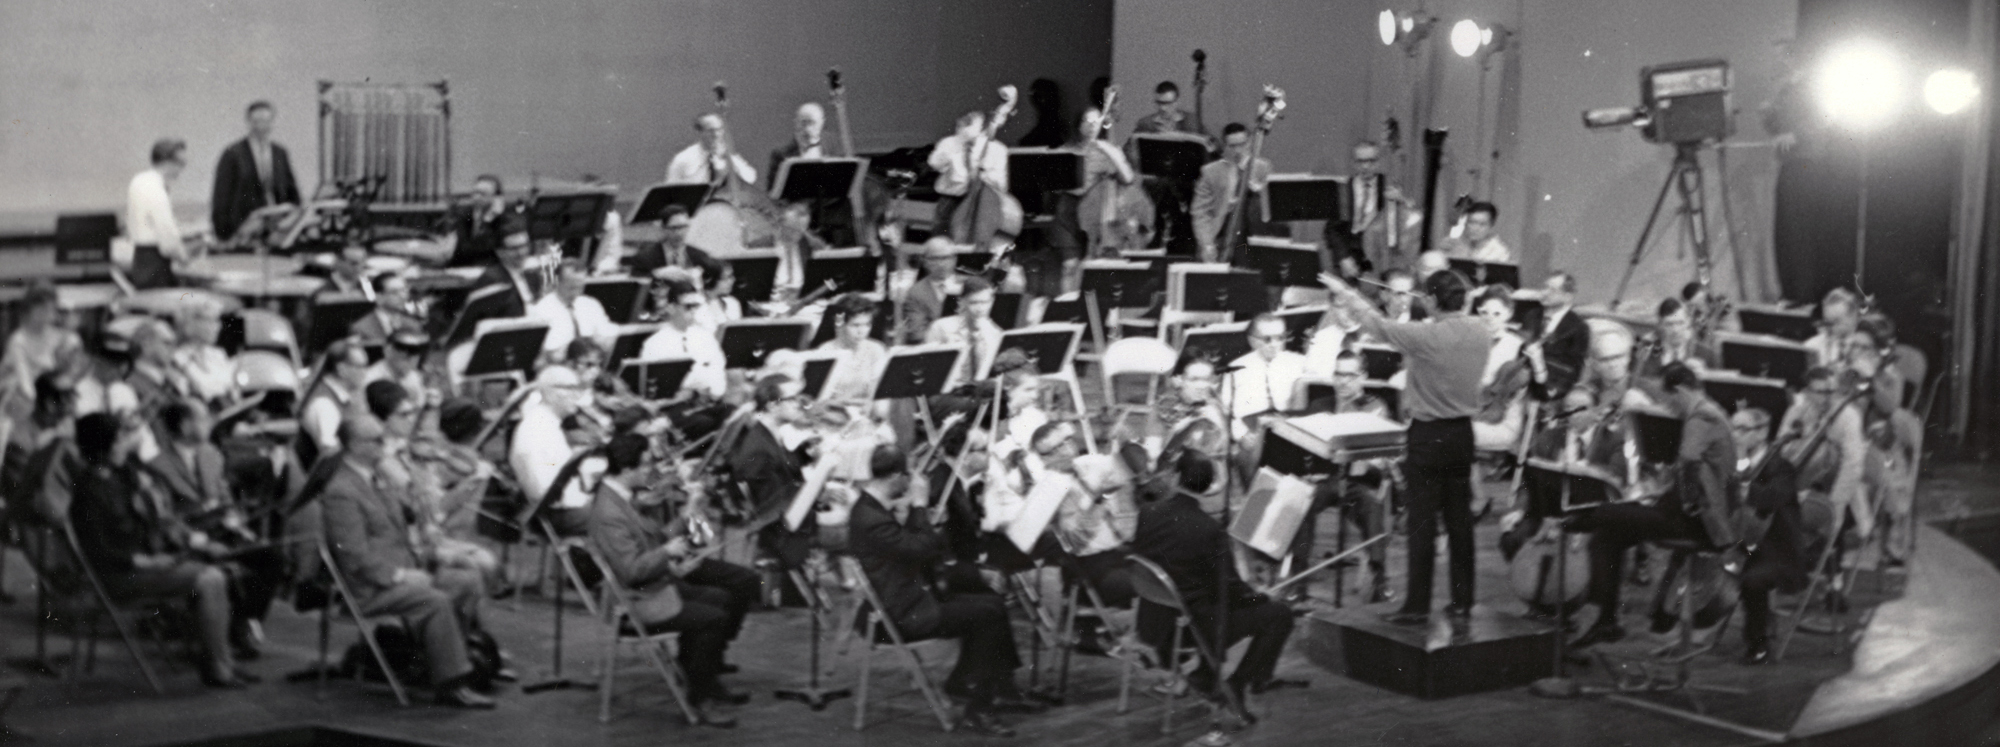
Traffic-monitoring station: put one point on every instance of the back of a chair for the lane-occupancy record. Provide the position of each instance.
(879, 612)
(618, 599)
(1152, 584)
(1914, 366)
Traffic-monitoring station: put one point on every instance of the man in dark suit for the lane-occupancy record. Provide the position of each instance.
(254, 172)
(1195, 551)
(191, 471)
(370, 540)
(832, 217)
(925, 301)
(672, 249)
(1783, 556)
(772, 473)
(660, 570)
(1557, 354)
(509, 267)
(1357, 489)
(899, 550)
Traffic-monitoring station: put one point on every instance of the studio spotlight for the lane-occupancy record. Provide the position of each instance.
(1388, 27)
(1951, 90)
(1408, 29)
(1859, 85)
(1466, 36)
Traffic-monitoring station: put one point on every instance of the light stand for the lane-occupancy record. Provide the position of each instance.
(1861, 216)
(812, 695)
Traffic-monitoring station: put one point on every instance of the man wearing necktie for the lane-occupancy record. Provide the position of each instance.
(1215, 193)
(254, 172)
(1370, 236)
(832, 217)
(700, 163)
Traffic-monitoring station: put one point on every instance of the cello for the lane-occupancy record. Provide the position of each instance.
(1116, 216)
(1268, 112)
(988, 213)
(737, 216)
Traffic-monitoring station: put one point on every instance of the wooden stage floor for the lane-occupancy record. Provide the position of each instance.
(1915, 646)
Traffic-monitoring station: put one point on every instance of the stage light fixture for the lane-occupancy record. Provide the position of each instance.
(1466, 36)
(1388, 27)
(1951, 90)
(1405, 28)
(1860, 85)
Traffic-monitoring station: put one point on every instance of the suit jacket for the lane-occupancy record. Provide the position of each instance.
(372, 331)
(1192, 548)
(110, 525)
(771, 473)
(238, 191)
(1563, 352)
(193, 487)
(636, 549)
(367, 531)
(1775, 494)
(496, 274)
(1212, 194)
(652, 256)
(898, 558)
(921, 306)
(1707, 473)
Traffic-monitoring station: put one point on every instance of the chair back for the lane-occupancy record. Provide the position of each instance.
(266, 330)
(878, 612)
(1152, 584)
(1914, 366)
(618, 600)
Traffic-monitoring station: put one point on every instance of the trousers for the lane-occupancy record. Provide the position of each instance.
(1440, 477)
(437, 614)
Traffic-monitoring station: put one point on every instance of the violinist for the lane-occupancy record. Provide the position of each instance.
(402, 362)
(971, 329)
(540, 449)
(956, 156)
(393, 313)
(190, 471)
(1557, 354)
(1781, 558)
(718, 284)
(711, 158)
(772, 473)
(1497, 427)
(858, 359)
(411, 467)
(680, 336)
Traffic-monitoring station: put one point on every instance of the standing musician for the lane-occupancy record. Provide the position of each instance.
(1703, 506)
(709, 159)
(473, 227)
(1357, 490)
(1445, 358)
(253, 172)
(1370, 237)
(158, 250)
(1556, 354)
(1170, 197)
(1215, 192)
(833, 217)
(954, 159)
(1104, 170)
(1167, 115)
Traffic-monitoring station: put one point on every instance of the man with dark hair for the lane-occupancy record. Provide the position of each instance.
(473, 223)
(711, 157)
(157, 246)
(1558, 349)
(681, 337)
(1167, 116)
(890, 535)
(1674, 342)
(1215, 192)
(1477, 241)
(254, 172)
(1192, 547)
(1357, 489)
(672, 250)
(659, 566)
(1782, 558)
(1445, 357)
(971, 329)
(1703, 506)
(771, 473)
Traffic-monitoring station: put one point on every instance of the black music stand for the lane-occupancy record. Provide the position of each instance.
(333, 312)
(803, 179)
(745, 343)
(630, 340)
(1238, 291)
(497, 301)
(850, 270)
(1735, 392)
(508, 350)
(1170, 157)
(1118, 284)
(620, 297)
(1380, 362)
(1007, 308)
(689, 196)
(1766, 357)
(1390, 394)
(1528, 311)
(1050, 347)
(755, 277)
(656, 379)
(1032, 173)
(972, 261)
(1070, 309)
(1299, 326)
(1216, 343)
(1569, 479)
(1777, 321)
(918, 372)
(1284, 264)
(817, 372)
(1300, 197)
(85, 238)
(1488, 273)
(567, 217)
(1659, 435)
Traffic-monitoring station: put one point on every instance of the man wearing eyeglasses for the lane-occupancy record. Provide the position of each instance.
(680, 337)
(1357, 490)
(1370, 235)
(1262, 384)
(672, 250)
(1781, 557)
(771, 473)
(1837, 467)
(539, 449)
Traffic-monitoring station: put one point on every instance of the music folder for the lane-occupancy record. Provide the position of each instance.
(1766, 356)
(1120, 284)
(85, 238)
(1659, 433)
(756, 275)
(1589, 485)
(1216, 343)
(1378, 361)
(746, 342)
(818, 368)
(333, 312)
(1216, 287)
(497, 301)
(801, 179)
(619, 296)
(851, 270)
(630, 340)
(506, 346)
(1284, 263)
(1272, 513)
(1488, 273)
(656, 379)
(1318, 444)
(1174, 156)
(1300, 323)
(1300, 197)
(916, 371)
(659, 196)
(1050, 347)
(1032, 173)
(1778, 320)
(1735, 391)
(567, 216)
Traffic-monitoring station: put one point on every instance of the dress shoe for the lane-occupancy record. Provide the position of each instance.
(1407, 617)
(1599, 633)
(1756, 654)
(983, 724)
(706, 715)
(461, 695)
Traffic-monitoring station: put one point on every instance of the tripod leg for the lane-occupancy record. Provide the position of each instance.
(1694, 209)
(1639, 249)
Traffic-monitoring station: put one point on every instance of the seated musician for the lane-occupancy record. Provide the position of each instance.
(509, 266)
(369, 538)
(1895, 434)
(402, 362)
(333, 397)
(1264, 379)
(719, 305)
(1839, 316)
(1195, 551)
(1580, 432)
(709, 159)
(1608, 374)
(1780, 559)
(1095, 520)
(191, 472)
(571, 314)
(1357, 490)
(957, 155)
(44, 341)
(859, 358)
(209, 371)
(891, 537)
(971, 329)
(771, 473)
(153, 376)
(1674, 342)
(681, 337)
(409, 470)
(540, 448)
(1104, 169)
(672, 250)
(1702, 507)
(1194, 395)
(796, 246)
(393, 313)
(1498, 425)
(1215, 192)
(924, 303)
(832, 217)
(663, 569)
(127, 545)
(1557, 354)
(349, 273)
(1837, 469)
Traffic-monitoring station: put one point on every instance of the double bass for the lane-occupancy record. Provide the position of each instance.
(737, 216)
(1268, 112)
(1117, 217)
(988, 213)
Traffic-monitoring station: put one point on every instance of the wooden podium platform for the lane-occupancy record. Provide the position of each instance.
(1492, 651)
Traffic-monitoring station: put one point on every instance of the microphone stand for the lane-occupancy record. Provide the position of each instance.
(812, 696)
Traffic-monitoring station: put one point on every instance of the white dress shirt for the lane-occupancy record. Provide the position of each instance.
(952, 330)
(1261, 385)
(322, 415)
(149, 214)
(953, 160)
(583, 318)
(208, 370)
(700, 344)
(538, 452)
(695, 165)
(1324, 349)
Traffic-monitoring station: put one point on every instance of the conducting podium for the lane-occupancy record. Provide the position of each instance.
(1318, 445)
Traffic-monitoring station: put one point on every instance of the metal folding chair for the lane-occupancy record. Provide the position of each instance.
(624, 627)
(344, 596)
(1154, 585)
(110, 610)
(879, 626)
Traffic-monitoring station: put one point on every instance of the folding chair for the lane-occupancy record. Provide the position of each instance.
(879, 626)
(1154, 585)
(1135, 356)
(1049, 632)
(622, 626)
(1079, 592)
(344, 595)
(109, 609)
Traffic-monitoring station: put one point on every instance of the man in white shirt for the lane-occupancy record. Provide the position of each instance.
(570, 314)
(954, 159)
(539, 450)
(708, 159)
(338, 393)
(402, 362)
(157, 247)
(1477, 240)
(681, 337)
(971, 329)
(1264, 377)
(1839, 317)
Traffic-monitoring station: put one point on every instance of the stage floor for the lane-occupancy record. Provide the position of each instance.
(111, 707)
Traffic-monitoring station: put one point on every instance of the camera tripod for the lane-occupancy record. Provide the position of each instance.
(1686, 179)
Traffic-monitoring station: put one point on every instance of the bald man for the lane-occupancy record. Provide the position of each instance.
(832, 217)
(708, 159)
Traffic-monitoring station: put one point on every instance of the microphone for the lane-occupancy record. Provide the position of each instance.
(1200, 57)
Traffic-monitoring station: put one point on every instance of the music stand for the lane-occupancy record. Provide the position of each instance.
(851, 271)
(619, 296)
(1488, 273)
(972, 261)
(1284, 264)
(804, 179)
(1300, 197)
(1378, 361)
(1299, 326)
(1320, 444)
(656, 379)
(1734, 392)
(1216, 343)
(1766, 356)
(918, 372)
(333, 313)
(505, 347)
(1066, 308)
(689, 196)
(1390, 394)
(85, 238)
(1032, 173)
(1120, 284)
(566, 217)
(755, 277)
(1528, 310)
(630, 340)
(497, 301)
(1777, 320)
(818, 370)
(1050, 347)
(1658, 432)
(1006, 313)
(1171, 156)
(1216, 288)
(746, 342)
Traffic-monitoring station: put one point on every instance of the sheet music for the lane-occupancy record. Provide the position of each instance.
(1040, 508)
